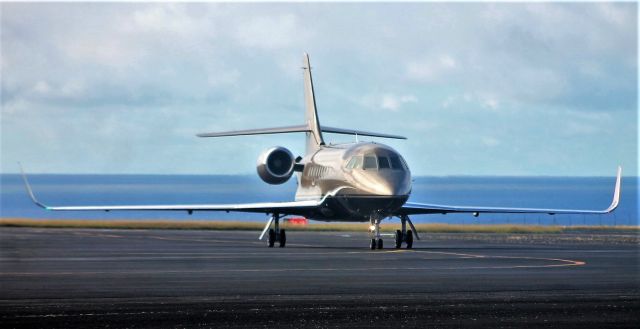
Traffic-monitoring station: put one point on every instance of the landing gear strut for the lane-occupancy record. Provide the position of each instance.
(275, 234)
(374, 232)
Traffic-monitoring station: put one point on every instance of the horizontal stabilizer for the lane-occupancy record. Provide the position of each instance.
(326, 129)
(297, 129)
(259, 131)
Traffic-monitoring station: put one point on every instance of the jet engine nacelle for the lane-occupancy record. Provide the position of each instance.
(275, 165)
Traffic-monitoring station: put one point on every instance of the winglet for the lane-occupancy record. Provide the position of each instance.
(26, 184)
(616, 192)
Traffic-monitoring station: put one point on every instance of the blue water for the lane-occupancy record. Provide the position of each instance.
(547, 192)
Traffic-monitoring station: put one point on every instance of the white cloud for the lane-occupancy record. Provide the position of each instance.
(490, 141)
(616, 15)
(386, 101)
(586, 123)
(165, 17)
(475, 100)
(448, 102)
(269, 32)
(222, 65)
(490, 102)
(73, 88)
(395, 102)
(431, 69)
(580, 128)
(42, 88)
(221, 78)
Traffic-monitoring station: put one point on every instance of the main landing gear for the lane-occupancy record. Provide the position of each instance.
(404, 235)
(276, 234)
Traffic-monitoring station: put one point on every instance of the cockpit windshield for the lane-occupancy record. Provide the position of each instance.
(355, 162)
(374, 162)
(395, 162)
(370, 162)
(383, 163)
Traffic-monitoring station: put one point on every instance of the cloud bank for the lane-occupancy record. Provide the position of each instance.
(478, 88)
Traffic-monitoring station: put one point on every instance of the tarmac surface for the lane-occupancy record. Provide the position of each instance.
(68, 278)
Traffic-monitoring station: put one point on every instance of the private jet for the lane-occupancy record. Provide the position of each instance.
(353, 182)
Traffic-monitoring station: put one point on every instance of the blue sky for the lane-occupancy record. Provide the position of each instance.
(479, 89)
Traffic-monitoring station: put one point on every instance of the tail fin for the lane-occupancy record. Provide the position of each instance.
(314, 136)
(311, 127)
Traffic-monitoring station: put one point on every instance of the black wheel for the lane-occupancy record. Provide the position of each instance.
(272, 238)
(409, 239)
(379, 243)
(398, 239)
(283, 238)
(373, 244)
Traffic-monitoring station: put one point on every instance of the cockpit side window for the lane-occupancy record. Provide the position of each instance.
(355, 162)
(406, 166)
(383, 163)
(370, 162)
(396, 162)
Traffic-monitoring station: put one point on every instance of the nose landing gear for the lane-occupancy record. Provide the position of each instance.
(374, 232)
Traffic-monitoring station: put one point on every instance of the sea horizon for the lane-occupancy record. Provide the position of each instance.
(574, 192)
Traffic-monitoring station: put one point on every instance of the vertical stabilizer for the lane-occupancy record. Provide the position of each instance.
(314, 137)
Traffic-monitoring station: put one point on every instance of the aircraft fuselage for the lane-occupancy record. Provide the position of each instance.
(365, 180)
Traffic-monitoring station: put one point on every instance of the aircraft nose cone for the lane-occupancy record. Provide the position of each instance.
(388, 184)
(388, 188)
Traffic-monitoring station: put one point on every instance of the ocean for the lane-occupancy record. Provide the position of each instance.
(547, 192)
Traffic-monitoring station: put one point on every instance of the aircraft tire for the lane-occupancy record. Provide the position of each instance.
(283, 238)
(409, 239)
(380, 245)
(373, 244)
(398, 239)
(272, 238)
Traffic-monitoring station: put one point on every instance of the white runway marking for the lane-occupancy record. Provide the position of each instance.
(550, 262)
(368, 260)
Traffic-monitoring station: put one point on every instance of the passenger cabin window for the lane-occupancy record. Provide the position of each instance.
(383, 162)
(370, 162)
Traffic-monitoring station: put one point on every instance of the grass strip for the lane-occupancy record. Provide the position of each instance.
(256, 226)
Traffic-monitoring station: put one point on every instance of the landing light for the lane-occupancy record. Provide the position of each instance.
(372, 227)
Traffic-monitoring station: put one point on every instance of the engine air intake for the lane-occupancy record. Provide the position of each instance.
(275, 165)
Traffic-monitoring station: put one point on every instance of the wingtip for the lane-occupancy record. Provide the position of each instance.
(29, 190)
(616, 191)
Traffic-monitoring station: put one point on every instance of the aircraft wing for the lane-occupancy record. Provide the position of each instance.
(284, 208)
(411, 208)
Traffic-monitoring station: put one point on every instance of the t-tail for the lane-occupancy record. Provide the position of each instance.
(314, 136)
(311, 128)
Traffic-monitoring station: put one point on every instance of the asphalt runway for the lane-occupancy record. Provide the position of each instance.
(69, 278)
